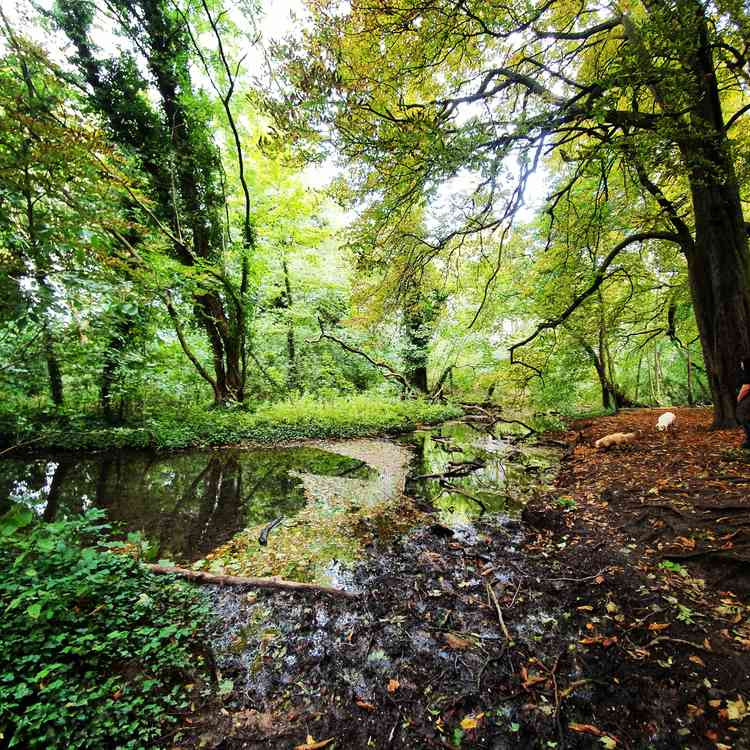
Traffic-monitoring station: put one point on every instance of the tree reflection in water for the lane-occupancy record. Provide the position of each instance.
(184, 504)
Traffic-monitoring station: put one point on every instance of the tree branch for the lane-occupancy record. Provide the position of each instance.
(597, 282)
(390, 372)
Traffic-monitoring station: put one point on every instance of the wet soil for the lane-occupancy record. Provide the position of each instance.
(575, 627)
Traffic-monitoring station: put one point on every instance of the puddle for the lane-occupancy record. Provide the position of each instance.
(183, 504)
(508, 472)
(318, 507)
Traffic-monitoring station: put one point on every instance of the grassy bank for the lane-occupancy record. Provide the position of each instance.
(351, 416)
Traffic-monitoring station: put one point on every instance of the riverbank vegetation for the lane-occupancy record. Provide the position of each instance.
(96, 651)
(192, 427)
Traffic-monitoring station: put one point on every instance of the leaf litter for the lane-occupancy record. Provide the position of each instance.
(604, 647)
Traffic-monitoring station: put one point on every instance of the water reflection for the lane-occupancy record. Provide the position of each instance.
(184, 504)
(506, 476)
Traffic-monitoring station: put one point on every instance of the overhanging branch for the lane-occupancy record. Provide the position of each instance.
(387, 369)
(599, 279)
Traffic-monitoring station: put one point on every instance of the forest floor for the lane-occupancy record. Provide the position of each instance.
(613, 615)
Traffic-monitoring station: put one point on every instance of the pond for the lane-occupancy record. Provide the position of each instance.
(463, 470)
(184, 504)
(208, 508)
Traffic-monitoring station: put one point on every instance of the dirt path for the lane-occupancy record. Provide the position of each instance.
(565, 631)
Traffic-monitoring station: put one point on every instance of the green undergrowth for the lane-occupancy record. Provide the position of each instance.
(343, 417)
(96, 651)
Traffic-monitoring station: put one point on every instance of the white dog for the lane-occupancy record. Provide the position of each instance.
(666, 420)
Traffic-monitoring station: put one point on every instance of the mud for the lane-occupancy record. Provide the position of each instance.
(545, 632)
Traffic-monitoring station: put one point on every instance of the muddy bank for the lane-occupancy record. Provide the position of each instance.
(550, 632)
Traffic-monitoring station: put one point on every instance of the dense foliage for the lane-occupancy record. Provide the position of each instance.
(285, 420)
(97, 652)
(531, 195)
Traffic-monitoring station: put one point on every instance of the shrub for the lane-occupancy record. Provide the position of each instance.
(96, 652)
(346, 416)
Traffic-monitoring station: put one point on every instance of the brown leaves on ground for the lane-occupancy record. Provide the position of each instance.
(683, 494)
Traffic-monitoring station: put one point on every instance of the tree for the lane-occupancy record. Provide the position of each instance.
(423, 95)
(59, 181)
(176, 150)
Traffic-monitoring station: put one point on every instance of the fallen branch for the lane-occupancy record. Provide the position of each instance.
(458, 491)
(719, 508)
(263, 538)
(660, 638)
(454, 470)
(200, 576)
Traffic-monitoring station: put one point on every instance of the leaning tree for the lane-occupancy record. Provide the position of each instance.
(423, 93)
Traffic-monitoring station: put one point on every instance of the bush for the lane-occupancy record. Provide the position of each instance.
(96, 651)
(305, 417)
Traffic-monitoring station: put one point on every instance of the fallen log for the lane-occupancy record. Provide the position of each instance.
(453, 470)
(201, 576)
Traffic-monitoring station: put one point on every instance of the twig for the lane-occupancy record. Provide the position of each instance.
(489, 661)
(20, 445)
(660, 638)
(578, 580)
(491, 592)
(393, 730)
(513, 600)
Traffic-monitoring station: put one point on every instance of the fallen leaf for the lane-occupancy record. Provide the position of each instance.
(530, 679)
(393, 686)
(610, 743)
(471, 722)
(455, 642)
(697, 660)
(365, 705)
(737, 710)
(658, 625)
(311, 744)
(685, 542)
(587, 728)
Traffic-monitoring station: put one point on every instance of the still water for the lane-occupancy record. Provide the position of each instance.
(188, 505)
(184, 504)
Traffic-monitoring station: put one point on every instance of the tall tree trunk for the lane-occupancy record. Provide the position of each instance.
(718, 261)
(417, 333)
(53, 367)
(115, 347)
(177, 152)
(291, 351)
(638, 376)
(608, 399)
